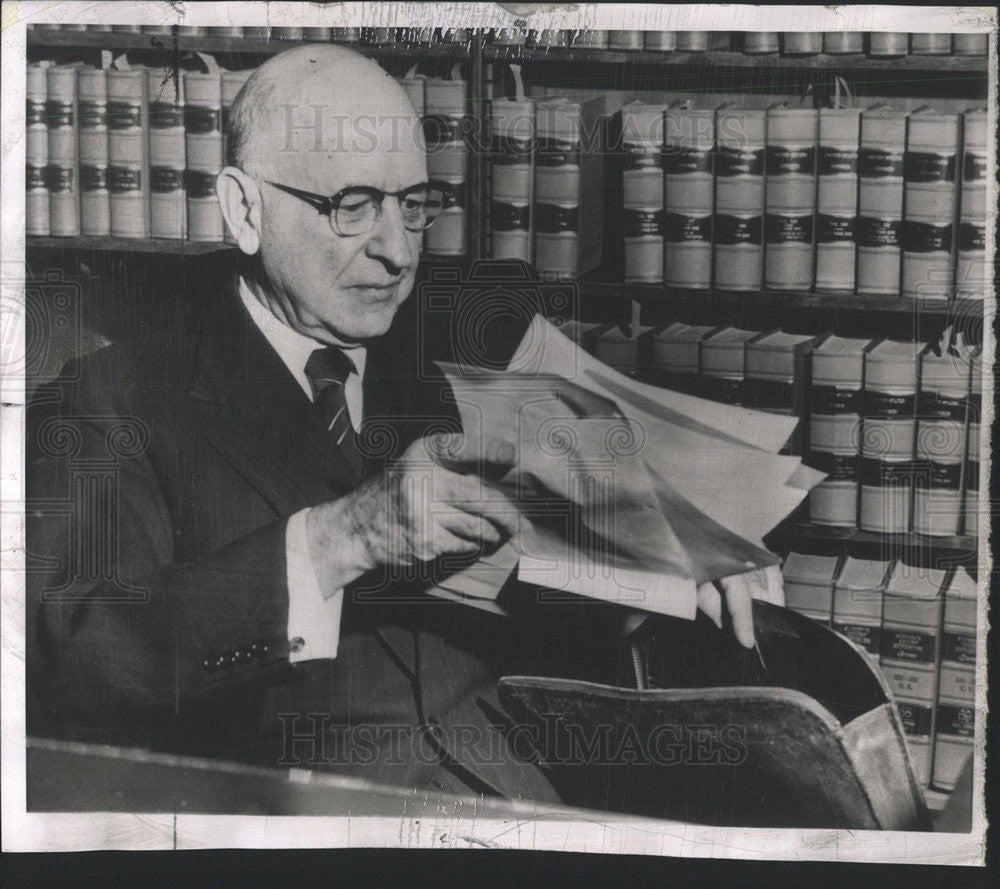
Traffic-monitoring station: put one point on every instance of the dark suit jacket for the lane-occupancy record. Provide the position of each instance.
(160, 476)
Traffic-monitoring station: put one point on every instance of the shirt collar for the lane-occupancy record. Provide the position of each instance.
(293, 348)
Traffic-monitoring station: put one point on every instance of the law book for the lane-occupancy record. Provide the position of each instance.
(232, 83)
(595, 39)
(688, 148)
(660, 41)
(880, 200)
(970, 506)
(930, 44)
(888, 44)
(63, 172)
(972, 273)
(92, 115)
(739, 199)
(887, 436)
(692, 41)
(843, 42)
(857, 603)
(203, 151)
(642, 191)
(320, 34)
(128, 153)
(837, 197)
(569, 186)
(929, 205)
(835, 402)
(675, 352)
(970, 44)
(941, 427)
(36, 154)
(790, 164)
(909, 653)
(760, 42)
(955, 713)
(167, 162)
(512, 136)
(808, 581)
(445, 125)
(625, 40)
(723, 364)
(777, 367)
(802, 43)
(619, 347)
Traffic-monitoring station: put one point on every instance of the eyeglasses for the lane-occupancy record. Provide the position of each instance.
(355, 210)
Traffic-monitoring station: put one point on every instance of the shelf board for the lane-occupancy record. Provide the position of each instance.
(221, 44)
(891, 543)
(658, 294)
(163, 246)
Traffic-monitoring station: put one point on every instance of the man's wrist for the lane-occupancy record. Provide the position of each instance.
(338, 550)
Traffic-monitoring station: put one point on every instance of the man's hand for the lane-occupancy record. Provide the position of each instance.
(423, 506)
(738, 592)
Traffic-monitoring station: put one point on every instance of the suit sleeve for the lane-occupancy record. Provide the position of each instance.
(121, 638)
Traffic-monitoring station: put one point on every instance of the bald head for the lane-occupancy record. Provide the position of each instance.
(318, 105)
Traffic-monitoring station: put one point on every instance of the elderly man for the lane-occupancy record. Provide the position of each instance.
(247, 498)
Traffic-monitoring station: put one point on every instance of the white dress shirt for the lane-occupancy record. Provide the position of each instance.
(313, 617)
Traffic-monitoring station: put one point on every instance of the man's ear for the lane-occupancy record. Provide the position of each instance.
(239, 198)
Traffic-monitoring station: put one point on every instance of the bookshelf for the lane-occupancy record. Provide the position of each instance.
(602, 296)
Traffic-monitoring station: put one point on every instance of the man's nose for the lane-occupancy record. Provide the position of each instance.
(390, 241)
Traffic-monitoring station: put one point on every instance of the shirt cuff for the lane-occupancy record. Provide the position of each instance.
(313, 619)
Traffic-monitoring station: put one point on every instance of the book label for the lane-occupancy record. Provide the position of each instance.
(92, 115)
(123, 115)
(939, 476)
(739, 162)
(642, 158)
(783, 160)
(885, 474)
(919, 166)
(58, 114)
(124, 179)
(783, 229)
(454, 196)
(832, 229)
(971, 236)
(640, 223)
(878, 232)
(163, 180)
(686, 160)
(508, 217)
(164, 117)
(59, 179)
(507, 151)
(680, 228)
(925, 237)
(550, 218)
(93, 178)
(974, 167)
(737, 229)
(833, 161)
(558, 153)
(958, 647)
(863, 636)
(439, 129)
(34, 177)
(724, 389)
(838, 467)
(876, 163)
(916, 718)
(769, 395)
(199, 120)
(35, 113)
(956, 720)
(834, 400)
(906, 645)
(945, 407)
(884, 404)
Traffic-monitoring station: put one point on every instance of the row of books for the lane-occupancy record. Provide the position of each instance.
(878, 202)
(877, 44)
(919, 626)
(895, 425)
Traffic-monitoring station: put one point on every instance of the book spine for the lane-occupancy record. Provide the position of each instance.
(95, 198)
(688, 156)
(167, 200)
(812, 598)
(63, 172)
(972, 272)
(843, 42)
(739, 201)
(511, 138)
(203, 150)
(836, 199)
(835, 417)
(929, 208)
(36, 186)
(557, 202)
(887, 442)
(880, 205)
(857, 614)
(937, 494)
(642, 190)
(909, 653)
(128, 154)
(790, 162)
(447, 160)
(970, 498)
(930, 44)
(955, 712)
(888, 44)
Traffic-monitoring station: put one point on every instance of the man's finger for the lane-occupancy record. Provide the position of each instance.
(739, 604)
(710, 602)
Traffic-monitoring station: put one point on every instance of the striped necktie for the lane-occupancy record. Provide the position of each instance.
(328, 370)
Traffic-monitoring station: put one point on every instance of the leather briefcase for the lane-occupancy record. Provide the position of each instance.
(799, 733)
